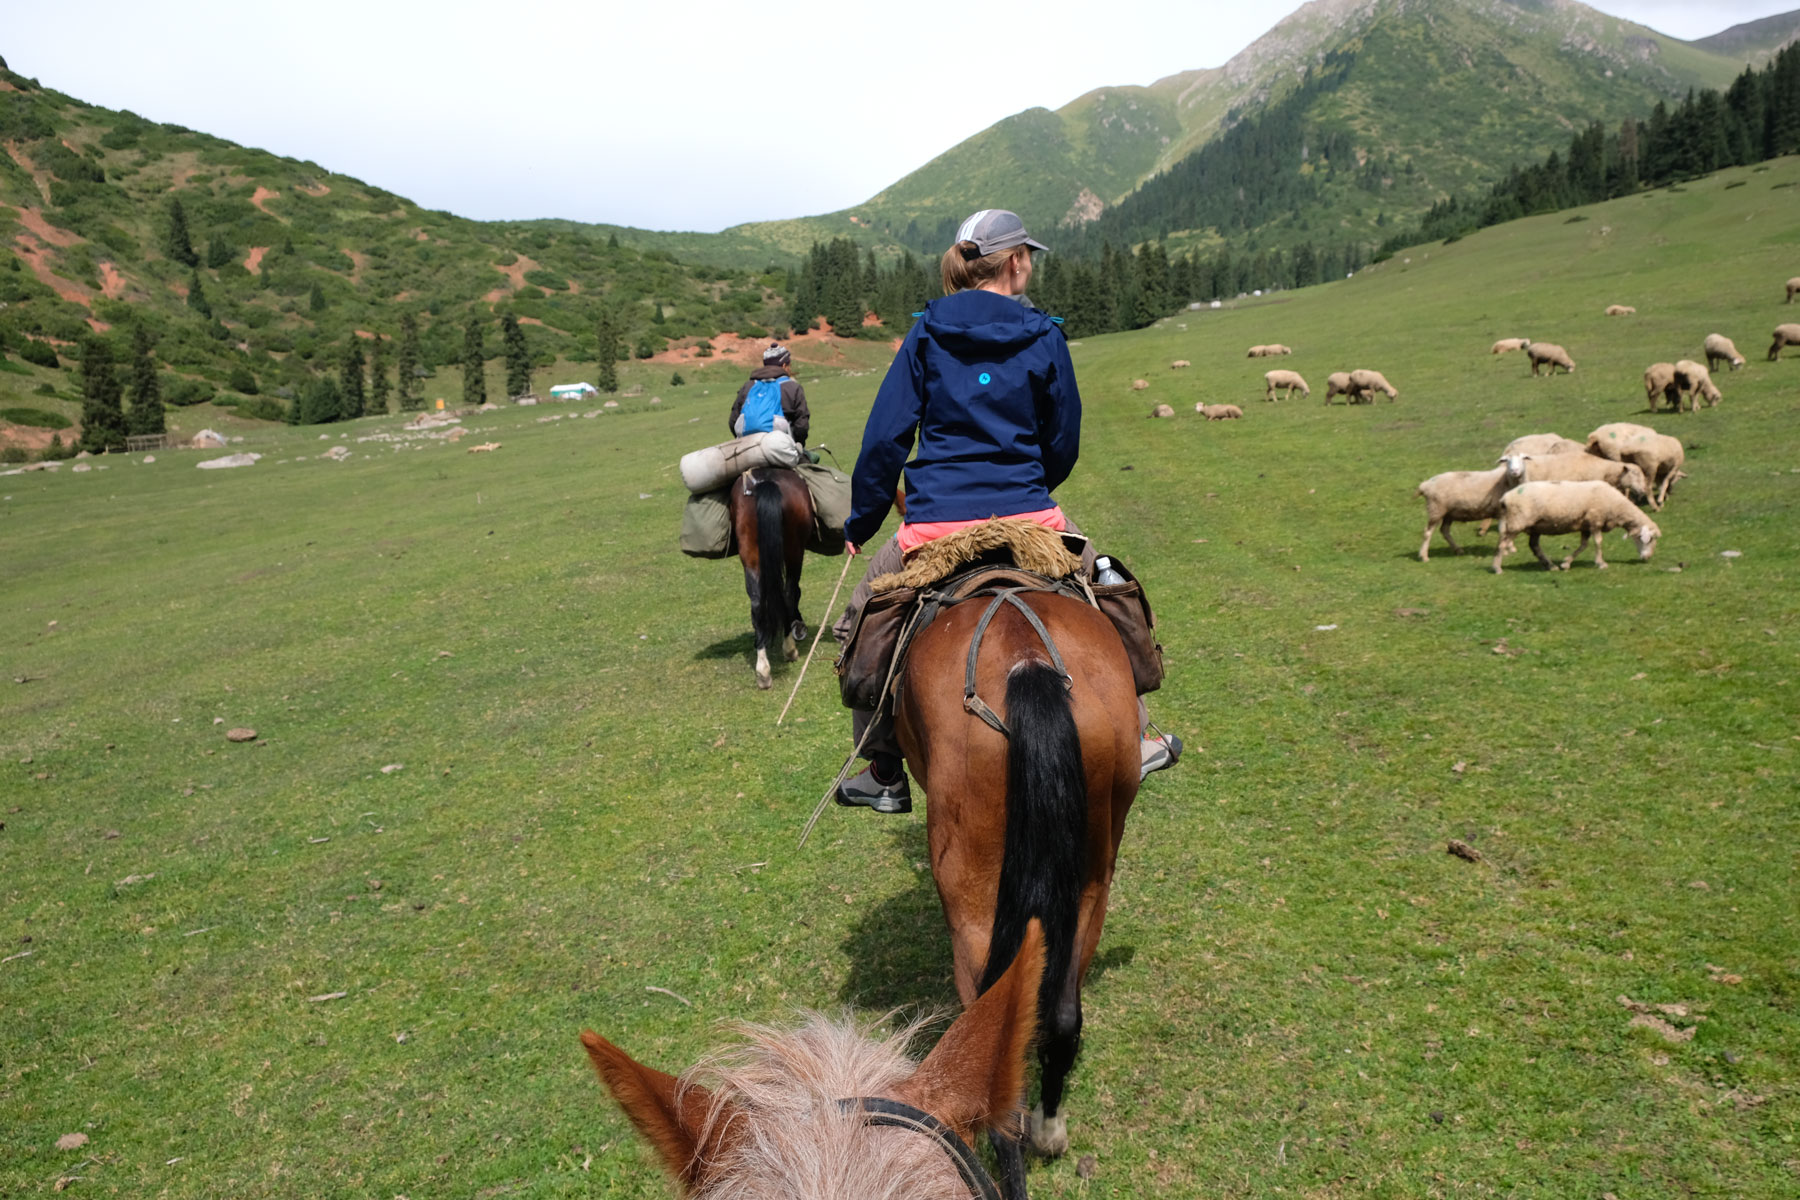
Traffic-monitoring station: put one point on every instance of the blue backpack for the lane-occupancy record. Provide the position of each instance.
(762, 404)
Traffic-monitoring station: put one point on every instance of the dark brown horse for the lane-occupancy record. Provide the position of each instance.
(1025, 825)
(771, 515)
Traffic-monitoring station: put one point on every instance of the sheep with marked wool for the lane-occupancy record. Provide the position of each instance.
(1453, 496)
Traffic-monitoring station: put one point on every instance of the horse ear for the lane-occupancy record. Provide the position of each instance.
(975, 1075)
(670, 1117)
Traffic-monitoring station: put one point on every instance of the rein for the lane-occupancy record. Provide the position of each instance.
(878, 1110)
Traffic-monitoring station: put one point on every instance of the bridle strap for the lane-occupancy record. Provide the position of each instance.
(878, 1110)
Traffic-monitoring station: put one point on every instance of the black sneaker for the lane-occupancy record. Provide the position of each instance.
(866, 791)
(1159, 753)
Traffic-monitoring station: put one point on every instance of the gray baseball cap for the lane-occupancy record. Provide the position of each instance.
(995, 229)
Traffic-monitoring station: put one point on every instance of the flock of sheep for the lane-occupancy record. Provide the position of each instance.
(1548, 484)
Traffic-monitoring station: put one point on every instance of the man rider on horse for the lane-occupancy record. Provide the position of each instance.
(792, 418)
(985, 385)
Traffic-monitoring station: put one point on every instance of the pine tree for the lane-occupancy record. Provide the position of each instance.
(406, 364)
(474, 364)
(319, 403)
(518, 356)
(175, 242)
(146, 415)
(350, 381)
(378, 379)
(315, 300)
(607, 333)
(102, 418)
(196, 297)
(219, 252)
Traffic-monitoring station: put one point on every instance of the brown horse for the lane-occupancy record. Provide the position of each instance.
(771, 515)
(828, 1112)
(1024, 826)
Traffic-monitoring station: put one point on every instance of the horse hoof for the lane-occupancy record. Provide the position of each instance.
(764, 680)
(1049, 1137)
(789, 650)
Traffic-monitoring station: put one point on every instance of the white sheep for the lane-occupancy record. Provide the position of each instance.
(1508, 345)
(1543, 443)
(1720, 350)
(1589, 507)
(1627, 477)
(1550, 355)
(1657, 455)
(1695, 382)
(1289, 380)
(1270, 351)
(1219, 412)
(1620, 310)
(1465, 496)
(1338, 384)
(1785, 335)
(1162, 410)
(1179, 364)
(1793, 287)
(1364, 382)
(1659, 380)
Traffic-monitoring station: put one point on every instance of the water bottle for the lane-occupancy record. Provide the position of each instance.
(1104, 573)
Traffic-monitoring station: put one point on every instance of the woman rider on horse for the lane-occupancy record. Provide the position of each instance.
(985, 385)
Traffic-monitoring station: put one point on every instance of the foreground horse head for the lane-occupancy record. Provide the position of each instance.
(771, 514)
(1024, 825)
(810, 1113)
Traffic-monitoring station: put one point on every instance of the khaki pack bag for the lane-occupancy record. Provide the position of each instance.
(706, 525)
(830, 489)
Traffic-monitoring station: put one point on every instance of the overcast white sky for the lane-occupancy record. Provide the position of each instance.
(680, 116)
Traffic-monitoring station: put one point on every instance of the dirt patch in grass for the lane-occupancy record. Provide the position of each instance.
(41, 178)
(253, 262)
(112, 281)
(358, 263)
(815, 345)
(259, 199)
(34, 439)
(33, 219)
(37, 257)
(313, 189)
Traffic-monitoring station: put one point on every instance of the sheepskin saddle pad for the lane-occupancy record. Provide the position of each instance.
(1033, 547)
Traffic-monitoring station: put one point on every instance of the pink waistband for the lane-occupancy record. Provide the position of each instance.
(914, 535)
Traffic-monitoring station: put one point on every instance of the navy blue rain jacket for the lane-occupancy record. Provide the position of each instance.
(987, 386)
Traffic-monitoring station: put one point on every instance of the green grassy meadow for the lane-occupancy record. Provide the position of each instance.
(1298, 993)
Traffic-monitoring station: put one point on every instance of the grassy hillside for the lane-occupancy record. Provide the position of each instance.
(514, 775)
(293, 258)
(1754, 42)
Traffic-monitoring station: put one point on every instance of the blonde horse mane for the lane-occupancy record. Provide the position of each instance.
(788, 1137)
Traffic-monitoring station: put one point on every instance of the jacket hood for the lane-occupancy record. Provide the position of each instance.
(983, 323)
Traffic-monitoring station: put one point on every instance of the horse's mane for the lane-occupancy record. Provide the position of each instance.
(775, 1110)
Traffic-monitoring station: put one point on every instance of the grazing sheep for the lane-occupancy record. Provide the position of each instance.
(1695, 381)
(1620, 310)
(1338, 384)
(1138, 385)
(1657, 455)
(1548, 354)
(1659, 380)
(1179, 363)
(1162, 410)
(1719, 349)
(1465, 496)
(1586, 506)
(1793, 288)
(1785, 335)
(1627, 477)
(1542, 444)
(1290, 380)
(1270, 351)
(1364, 382)
(1508, 345)
(1219, 412)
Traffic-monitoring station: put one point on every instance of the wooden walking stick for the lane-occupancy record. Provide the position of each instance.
(818, 633)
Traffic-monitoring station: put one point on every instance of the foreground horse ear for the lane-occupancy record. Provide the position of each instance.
(975, 1076)
(671, 1118)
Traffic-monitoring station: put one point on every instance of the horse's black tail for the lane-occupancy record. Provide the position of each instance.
(772, 618)
(1042, 871)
